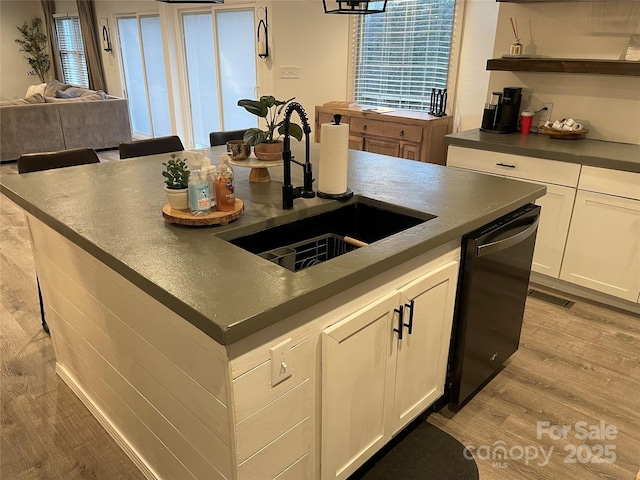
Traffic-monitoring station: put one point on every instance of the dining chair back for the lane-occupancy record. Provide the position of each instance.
(150, 146)
(221, 138)
(35, 162)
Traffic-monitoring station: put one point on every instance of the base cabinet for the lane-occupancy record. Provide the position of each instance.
(603, 248)
(399, 133)
(382, 366)
(557, 205)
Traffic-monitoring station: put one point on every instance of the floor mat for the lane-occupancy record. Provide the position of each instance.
(420, 452)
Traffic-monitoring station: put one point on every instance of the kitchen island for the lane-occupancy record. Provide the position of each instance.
(165, 332)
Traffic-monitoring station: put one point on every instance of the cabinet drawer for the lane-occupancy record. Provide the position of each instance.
(612, 182)
(382, 128)
(382, 147)
(526, 168)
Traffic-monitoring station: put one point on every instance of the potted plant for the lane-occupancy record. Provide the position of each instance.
(176, 176)
(266, 142)
(34, 45)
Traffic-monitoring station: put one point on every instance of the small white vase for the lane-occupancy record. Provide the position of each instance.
(178, 199)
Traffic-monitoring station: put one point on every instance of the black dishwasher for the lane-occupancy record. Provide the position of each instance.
(492, 290)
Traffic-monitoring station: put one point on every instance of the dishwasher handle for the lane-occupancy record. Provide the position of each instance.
(493, 247)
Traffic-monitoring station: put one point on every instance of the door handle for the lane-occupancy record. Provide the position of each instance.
(505, 165)
(410, 324)
(505, 243)
(400, 312)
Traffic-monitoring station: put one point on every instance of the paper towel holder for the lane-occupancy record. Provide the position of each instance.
(336, 196)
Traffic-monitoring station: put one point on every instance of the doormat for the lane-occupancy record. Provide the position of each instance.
(420, 452)
(545, 297)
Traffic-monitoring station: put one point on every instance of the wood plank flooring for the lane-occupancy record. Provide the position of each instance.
(576, 365)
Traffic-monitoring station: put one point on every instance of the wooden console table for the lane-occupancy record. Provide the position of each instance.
(399, 133)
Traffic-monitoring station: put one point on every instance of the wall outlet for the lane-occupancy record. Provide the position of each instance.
(281, 362)
(290, 72)
(545, 115)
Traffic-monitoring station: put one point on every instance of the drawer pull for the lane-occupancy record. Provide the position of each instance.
(402, 133)
(364, 128)
(505, 165)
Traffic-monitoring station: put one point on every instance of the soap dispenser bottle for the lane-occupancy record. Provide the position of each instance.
(199, 196)
(210, 172)
(225, 186)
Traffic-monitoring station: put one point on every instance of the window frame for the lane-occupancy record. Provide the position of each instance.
(78, 53)
(453, 63)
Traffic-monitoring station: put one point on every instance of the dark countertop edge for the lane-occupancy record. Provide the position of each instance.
(238, 331)
(589, 160)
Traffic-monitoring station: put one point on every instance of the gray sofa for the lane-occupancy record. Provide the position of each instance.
(46, 127)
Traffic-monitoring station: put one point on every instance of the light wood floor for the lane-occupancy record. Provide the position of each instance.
(575, 365)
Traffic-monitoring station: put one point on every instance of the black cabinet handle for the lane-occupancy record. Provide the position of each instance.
(400, 312)
(364, 128)
(402, 133)
(505, 165)
(410, 324)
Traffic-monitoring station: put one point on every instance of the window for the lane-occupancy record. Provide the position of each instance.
(219, 50)
(400, 55)
(145, 75)
(74, 65)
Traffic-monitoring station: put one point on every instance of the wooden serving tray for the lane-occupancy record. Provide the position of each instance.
(563, 134)
(183, 217)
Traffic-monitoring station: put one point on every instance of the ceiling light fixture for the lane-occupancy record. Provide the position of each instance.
(354, 7)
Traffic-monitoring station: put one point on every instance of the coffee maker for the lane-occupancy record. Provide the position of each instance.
(501, 114)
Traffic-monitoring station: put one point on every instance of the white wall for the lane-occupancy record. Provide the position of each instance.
(304, 36)
(14, 80)
(478, 37)
(609, 105)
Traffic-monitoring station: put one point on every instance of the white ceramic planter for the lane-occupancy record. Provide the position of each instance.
(178, 199)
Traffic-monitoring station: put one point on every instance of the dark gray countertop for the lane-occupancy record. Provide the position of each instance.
(597, 153)
(113, 211)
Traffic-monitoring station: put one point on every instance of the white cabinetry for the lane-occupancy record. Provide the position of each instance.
(560, 178)
(375, 379)
(603, 248)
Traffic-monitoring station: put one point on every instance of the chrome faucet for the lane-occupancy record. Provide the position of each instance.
(288, 191)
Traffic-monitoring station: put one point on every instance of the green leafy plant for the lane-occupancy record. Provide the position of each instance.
(176, 173)
(34, 45)
(270, 109)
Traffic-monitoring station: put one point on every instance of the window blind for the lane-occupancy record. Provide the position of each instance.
(400, 55)
(71, 48)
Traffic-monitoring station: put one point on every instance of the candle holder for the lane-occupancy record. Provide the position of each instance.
(262, 34)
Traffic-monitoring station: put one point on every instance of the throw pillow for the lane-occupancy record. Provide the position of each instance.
(69, 93)
(33, 89)
(52, 87)
(37, 98)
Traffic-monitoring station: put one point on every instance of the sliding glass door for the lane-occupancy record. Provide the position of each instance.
(145, 75)
(219, 50)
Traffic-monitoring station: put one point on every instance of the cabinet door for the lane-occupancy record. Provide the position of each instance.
(411, 152)
(356, 365)
(382, 147)
(356, 143)
(557, 206)
(422, 354)
(603, 248)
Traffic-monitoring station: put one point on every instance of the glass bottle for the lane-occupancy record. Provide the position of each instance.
(225, 186)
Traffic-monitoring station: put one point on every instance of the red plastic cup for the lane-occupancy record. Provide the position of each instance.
(526, 118)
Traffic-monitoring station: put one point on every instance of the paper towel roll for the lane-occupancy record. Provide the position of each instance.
(334, 144)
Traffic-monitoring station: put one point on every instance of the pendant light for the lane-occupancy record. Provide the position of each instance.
(354, 7)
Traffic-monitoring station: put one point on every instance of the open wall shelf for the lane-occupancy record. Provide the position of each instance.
(566, 65)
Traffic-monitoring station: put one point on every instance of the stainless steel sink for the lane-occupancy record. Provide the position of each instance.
(312, 240)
